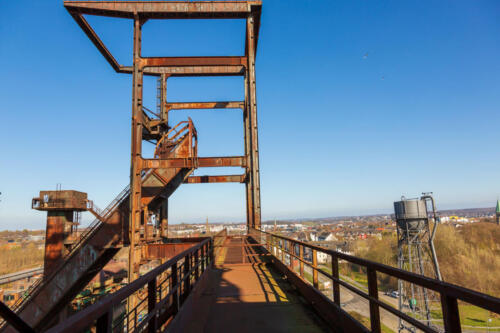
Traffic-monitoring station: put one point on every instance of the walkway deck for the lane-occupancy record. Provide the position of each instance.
(245, 298)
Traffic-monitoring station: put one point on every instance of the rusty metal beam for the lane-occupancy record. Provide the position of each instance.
(201, 162)
(205, 105)
(192, 61)
(215, 179)
(165, 9)
(184, 71)
(91, 34)
(252, 118)
(14, 320)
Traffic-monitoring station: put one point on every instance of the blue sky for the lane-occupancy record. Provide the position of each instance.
(359, 102)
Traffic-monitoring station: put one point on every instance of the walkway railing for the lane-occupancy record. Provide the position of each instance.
(288, 250)
(161, 293)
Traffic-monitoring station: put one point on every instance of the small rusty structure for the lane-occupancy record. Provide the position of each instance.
(63, 208)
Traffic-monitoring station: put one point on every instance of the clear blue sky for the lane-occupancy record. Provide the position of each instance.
(359, 102)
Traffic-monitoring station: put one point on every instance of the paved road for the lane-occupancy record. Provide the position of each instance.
(351, 301)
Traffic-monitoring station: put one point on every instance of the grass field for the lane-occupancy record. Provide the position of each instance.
(366, 321)
(471, 316)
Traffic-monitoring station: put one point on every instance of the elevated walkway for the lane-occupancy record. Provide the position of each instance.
(204, 289)
(246, 298)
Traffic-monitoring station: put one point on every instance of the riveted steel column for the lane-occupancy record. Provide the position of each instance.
(164, 218)
(252, 96)
(248, 169)
(164, 117)
(136, 149)
(163, 98)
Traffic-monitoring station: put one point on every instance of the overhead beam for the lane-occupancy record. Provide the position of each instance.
(205, 105)
(201, 162)
(165, 9)
(215, 179)
(192, 61)
(145, 10)
(184, 71)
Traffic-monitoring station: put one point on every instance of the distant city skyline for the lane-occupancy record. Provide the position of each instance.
(359, 103)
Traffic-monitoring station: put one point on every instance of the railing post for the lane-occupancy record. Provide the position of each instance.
(291, 249)
(315, 268)
(373, 292)
(282, 247)
(301, 263)
(202, 259)
(211, 249)
(152, 325)
(174, 285)
(104, 322)
(196, 263)
(335, 284)
(186, 277)
(243, 249)
(451, 315)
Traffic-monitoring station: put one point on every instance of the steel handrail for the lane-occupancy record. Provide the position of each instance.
(104, 308)
(450, 293)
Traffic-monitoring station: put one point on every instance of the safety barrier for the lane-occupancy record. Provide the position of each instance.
(285, 249)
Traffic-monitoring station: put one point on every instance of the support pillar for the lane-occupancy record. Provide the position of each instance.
(254, 142)
(136, 167)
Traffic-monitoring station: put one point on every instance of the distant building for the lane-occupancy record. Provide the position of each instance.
(497, 214)
(322, 257)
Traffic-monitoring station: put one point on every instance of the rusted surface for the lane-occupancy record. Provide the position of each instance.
(186, 71)
(164, 10)
(161, 296)
(54, 241)
(215, 179)
(246, 298)
(205, 105)
(162, 251)
(16, 322)
(192, 61)
(68, 200)
(201, 162)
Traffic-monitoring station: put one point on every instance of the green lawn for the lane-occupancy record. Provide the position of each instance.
(357, 277)
(471, 315)
(366, 321)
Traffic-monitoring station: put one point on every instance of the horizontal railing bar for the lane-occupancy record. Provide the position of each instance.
(239, 245)
(380, 303)
(359, 292)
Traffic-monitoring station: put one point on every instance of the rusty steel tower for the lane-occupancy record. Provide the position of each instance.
(152, 180)
(138, 217)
